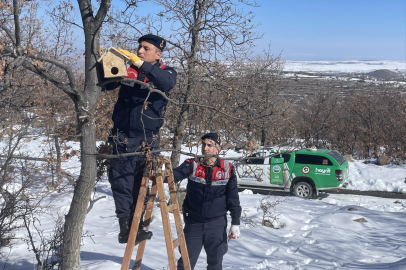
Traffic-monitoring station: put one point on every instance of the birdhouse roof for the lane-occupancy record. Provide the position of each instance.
(116, 52)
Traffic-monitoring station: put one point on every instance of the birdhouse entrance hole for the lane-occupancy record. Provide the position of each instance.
(114, 70)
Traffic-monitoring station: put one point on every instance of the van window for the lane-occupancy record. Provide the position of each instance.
(312, 159)
(257, 161)
(337, 156)
(286, 157)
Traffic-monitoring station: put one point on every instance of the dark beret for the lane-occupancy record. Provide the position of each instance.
(158, 42)
(213, 136)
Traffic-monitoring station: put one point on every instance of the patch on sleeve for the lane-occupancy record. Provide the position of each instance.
(128, 82)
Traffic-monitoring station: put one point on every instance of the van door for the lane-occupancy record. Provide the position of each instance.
(289, 160)
(318, 167)
(254, 171)
(276, 170)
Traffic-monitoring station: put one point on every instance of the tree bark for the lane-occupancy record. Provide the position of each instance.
(178, 136)
(183, 117)
(85, 107)
(58, 155)
(263, 137)
(75, 218)
(191, 64)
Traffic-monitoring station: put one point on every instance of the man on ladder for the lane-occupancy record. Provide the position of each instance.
(211, 192)
(136, 125)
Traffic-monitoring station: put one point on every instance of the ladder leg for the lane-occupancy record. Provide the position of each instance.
(177, 216)
(147, 222)
(166, 222)
(136, 219)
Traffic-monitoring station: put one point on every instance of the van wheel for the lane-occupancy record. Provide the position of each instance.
(303, 190)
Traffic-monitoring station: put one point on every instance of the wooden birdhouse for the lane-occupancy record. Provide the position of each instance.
(114, 63)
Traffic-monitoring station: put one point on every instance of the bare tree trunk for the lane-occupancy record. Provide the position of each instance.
(183, 115)
(178, 136)
(58, 155)
(74, 220)
(85, 107)
(263, 137)
(191, 64)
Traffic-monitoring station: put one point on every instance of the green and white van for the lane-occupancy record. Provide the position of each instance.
(304, 172)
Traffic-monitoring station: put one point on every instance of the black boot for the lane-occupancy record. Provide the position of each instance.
(124, 229)
(125, 225)
(142, 233)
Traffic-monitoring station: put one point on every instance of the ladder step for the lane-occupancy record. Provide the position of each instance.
(178, 241)
(148, 206)
(172, 207)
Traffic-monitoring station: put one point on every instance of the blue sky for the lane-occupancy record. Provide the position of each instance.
(334, 29)
(328, 29)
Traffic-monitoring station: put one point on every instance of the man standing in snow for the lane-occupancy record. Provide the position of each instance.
(137, 121)
(211, 192)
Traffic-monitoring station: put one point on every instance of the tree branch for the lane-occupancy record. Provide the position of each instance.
(59, 64)
(17, 26)
(71, 89)
(102, 12)
(61, 85)
(9, 34)
(92, 202)
(106, 156)
(153, 90)
(23, 157)
(66, 21)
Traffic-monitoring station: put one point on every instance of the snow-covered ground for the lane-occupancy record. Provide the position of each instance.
(315, 234)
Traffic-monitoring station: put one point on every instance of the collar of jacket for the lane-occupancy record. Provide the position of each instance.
(217, 163)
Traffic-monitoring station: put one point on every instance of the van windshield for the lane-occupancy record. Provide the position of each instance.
(337, 156)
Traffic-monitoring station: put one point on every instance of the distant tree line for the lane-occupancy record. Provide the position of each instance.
(361, 124)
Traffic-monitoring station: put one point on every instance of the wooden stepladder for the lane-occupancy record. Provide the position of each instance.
(155, 165)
